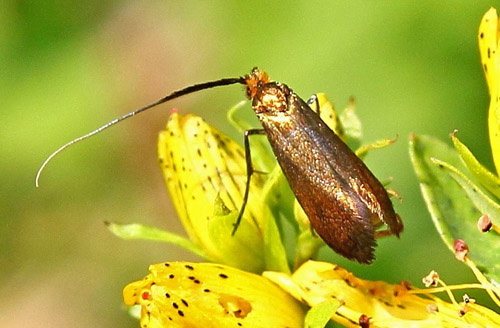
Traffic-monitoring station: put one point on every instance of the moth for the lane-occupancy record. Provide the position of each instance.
(343, 200)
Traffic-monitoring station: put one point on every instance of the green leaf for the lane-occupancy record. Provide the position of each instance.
(452, 210)
(319, 315)
(480, 199)
(279, 196)
(142, 232)
(243, 250)
(363, 150)
(276, 194)
(274, 250)
(482, 174)
(307, 247)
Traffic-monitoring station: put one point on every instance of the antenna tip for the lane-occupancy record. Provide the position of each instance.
(37, 179)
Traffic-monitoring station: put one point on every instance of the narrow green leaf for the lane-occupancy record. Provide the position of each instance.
(142, 232)
(274, 250)
(363, 150)
(489, 180)
(319, 315)
(481, 200)
(276, 194)
(279, 196)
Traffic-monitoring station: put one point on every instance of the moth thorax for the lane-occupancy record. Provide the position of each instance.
(271, 99)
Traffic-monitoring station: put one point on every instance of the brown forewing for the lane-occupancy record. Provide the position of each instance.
(343, 200)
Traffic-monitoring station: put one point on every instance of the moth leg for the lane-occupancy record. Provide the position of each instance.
(388, 232)
(250, 171)
(314, 99)
(394, 193)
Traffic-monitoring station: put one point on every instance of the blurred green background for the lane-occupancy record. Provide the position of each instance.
(69, 66)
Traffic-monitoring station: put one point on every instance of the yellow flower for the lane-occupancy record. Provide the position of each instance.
(376, 302)
(489, 34)
(183, 294)
(205, 172)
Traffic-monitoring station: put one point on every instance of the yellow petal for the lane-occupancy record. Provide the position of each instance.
(205, 171)
(386, 305)
(489, 32)
(183, 294)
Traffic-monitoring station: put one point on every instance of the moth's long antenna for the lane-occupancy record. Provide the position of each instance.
(173, 95)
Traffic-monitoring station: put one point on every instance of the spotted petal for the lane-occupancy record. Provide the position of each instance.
(183, 294)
